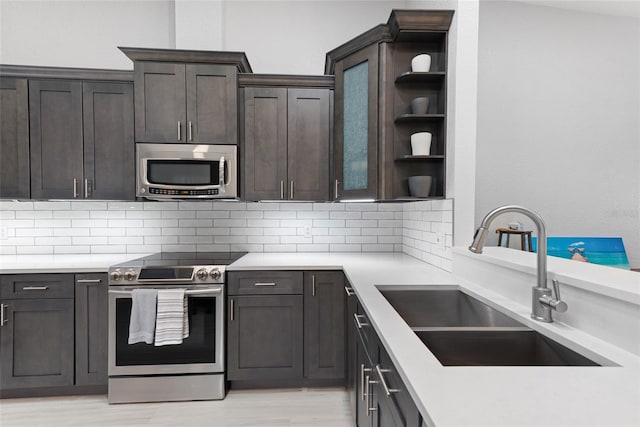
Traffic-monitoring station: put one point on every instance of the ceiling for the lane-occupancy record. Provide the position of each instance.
(627, 8)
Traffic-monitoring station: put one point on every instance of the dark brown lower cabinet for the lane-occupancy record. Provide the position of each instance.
(36, 339)
(285, 328)
(53, 334)
(264, 337)
(91, 329)
(324, 333)
(382, 399)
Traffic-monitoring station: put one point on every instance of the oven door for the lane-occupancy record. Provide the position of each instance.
(201, 352)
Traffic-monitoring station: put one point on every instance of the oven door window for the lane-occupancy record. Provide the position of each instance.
(183, 172)
(199, 347)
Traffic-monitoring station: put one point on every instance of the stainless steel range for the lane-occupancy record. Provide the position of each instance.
(193, 370)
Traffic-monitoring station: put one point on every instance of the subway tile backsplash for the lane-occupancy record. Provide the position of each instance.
(83, 227)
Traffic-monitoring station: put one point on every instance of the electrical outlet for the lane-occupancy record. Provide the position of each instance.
(440, 240)
(307, 231)
(4, 233)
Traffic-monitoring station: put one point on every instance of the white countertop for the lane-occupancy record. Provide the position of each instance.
(448, 396)
(472, 396)
(72, 263)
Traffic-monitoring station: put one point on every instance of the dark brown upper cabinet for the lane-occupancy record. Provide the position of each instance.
(186, 96)
(55, 108)
(373, 120)
(286, 137)
(87, 127)
(14, 138)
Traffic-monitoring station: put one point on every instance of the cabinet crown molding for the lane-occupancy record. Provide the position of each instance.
(41, 72)
(239, 59)
(403, 25)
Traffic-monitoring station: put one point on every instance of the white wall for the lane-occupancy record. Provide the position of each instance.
(558, 127)
(286, 37)
(82, 33)
(290, 37)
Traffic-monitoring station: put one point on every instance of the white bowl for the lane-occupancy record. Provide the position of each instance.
(421, 143)
(421, 63)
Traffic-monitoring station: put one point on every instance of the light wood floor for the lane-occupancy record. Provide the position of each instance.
(282, 407)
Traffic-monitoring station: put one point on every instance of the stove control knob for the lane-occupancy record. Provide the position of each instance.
(116, 275)
(129, 275)
(202, 274)
(215, 274)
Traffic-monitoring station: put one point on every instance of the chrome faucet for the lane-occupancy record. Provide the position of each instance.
(541, 301)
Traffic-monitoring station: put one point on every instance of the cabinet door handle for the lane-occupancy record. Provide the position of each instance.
(349, 291)
(291, 191)
(264, 284)
(35, 288)
(358, 322)
(179, 131)
(87, 186)
(368, 383)
(387, 390)
(363, 391)
(89, 281)
(3, 314)
(190, 131)
(336, 190)
(231, 307)
(313, 285)
(281, 189)
(75, 188)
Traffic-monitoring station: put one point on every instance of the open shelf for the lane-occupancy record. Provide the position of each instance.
(405, 118)
(409, 158)
(418, 77)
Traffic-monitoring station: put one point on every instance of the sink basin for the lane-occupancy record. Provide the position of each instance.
(445, 308)
(499, 348)
(462, 331)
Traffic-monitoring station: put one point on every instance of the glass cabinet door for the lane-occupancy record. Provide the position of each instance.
(356, 126)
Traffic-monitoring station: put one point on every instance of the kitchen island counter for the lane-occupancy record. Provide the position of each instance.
(480, 395)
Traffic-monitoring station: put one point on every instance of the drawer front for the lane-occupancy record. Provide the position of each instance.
(27, 286)
(264, 282)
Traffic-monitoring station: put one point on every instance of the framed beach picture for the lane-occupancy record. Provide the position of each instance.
(596, 250)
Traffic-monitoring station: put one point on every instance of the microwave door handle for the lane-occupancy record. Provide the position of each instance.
(221, 175)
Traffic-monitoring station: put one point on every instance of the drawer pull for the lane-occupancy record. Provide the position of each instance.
(89, 281)
(387, 390)
(358, 322)
(264, 284)
(349, 291)
(35, 288)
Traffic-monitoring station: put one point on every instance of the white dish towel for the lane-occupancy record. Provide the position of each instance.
(142, 323)
(172, 322)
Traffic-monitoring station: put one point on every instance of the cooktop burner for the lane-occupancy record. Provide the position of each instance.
(183, 258)
(173, 267)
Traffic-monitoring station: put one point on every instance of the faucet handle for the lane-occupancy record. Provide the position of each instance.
(556, 304)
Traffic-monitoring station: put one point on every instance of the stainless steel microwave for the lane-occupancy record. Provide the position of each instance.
(186, 171)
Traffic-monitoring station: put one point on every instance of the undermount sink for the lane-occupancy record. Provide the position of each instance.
(445, 308)
(462, 331)
(499, 348)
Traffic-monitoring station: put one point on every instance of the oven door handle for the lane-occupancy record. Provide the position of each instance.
(212, 291)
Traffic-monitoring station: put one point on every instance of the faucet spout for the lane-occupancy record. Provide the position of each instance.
(541, 308)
